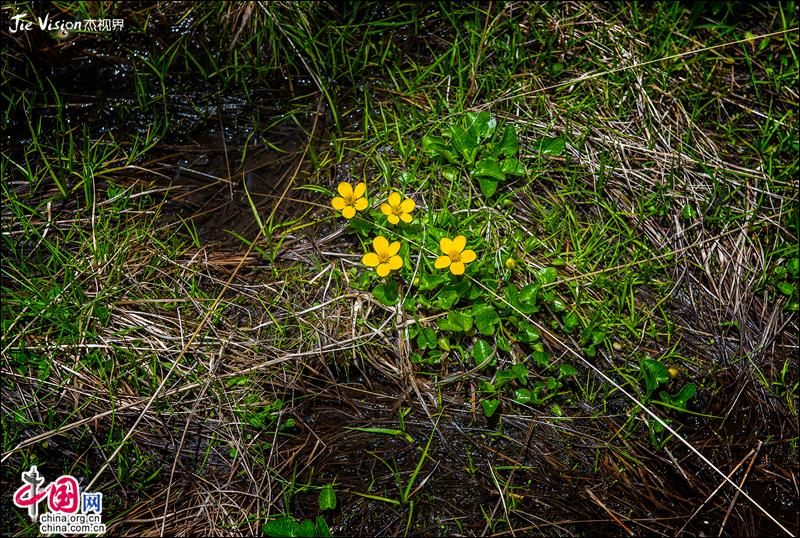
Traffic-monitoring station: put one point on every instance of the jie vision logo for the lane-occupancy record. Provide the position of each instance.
(20, 23)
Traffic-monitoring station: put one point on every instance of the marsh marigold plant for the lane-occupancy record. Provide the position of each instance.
(454, 256)
(350, 199)
(397, 209)
(385, 258)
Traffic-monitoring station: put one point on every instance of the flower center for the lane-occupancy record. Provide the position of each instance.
(397, 210)
(383, 256)
(455, 256)
(350, 200)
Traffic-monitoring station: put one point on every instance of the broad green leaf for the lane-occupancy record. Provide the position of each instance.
(483, 123)
(547, 275)
(522, 396)
(307, 529)
(488, 186)
(502, 343)
(481, 351)
(567, 370)
(283, 527)
(786, 288)
(682, 398)
(571, 321)
(489, 407)
(407, 178)
(456, 321)
(528, 294)
(414, 330)
(512, 292)
(437, 147)
(486, 387)
(450, 173)
(362, 282)
(465, 142)
(525, 299)
(489, 168)
(551, 146)
(327, 498)
(527, 332)
(594, 334)
(363, 227)
(447, 298)
(793, 266)
(509, 145)
(431, 144)
(548, 297)
(322, 528)
(387, 293)
(504, 376)
(512, 167)
(654, 373)
(520, 372)
(427, 339)
(429, 282)
(540, 358)
(486, 318)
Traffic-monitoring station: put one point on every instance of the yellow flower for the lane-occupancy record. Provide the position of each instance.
(351, 200)
(398, 210)
(454, 255)
(385, 258)
(510, 263)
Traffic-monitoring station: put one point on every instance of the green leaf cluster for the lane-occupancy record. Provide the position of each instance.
(478, 147)
(288, 527)
(487, 328)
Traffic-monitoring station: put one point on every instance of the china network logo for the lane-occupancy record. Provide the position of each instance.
(71, 511)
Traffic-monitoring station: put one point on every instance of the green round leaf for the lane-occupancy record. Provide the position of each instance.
(387, 293)
(489, 407)
(327, 498)
(786, 288)
(481, 351)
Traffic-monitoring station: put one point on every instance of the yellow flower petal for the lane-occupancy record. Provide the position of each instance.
(338, 203)
(394, 199)
(345, 189)
(457, 268)
(371, 259)
(442, 262)
(381, 245)
(406, 217)
(393, 219)
(361, 204)
(445, 244)
(383, 269)
(468, 256)
(360, 190)
(459, 243)
(395, 262)
(408, 205)
(394, 248)
(349, 212)
(386, 209)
